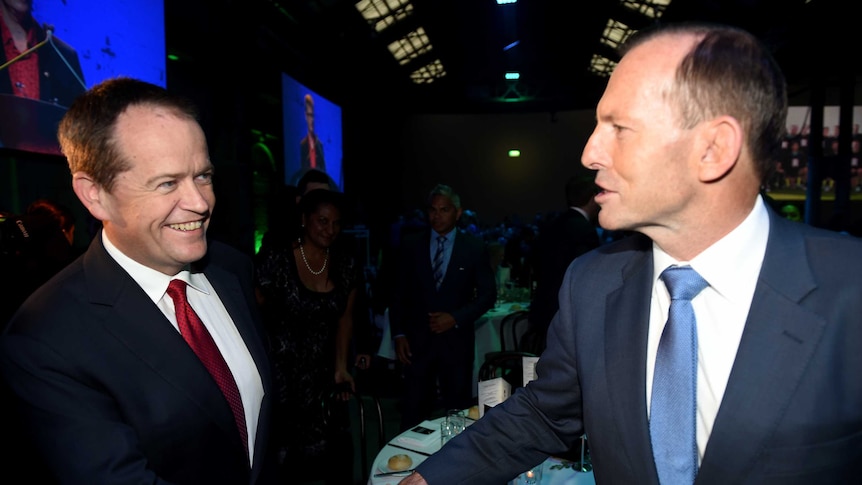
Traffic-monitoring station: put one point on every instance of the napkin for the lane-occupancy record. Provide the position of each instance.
(424, 435)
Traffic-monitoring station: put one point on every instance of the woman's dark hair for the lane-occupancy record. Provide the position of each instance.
(309, 202)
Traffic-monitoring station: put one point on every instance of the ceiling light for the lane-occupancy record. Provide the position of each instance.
(381, 14)
(513, 76)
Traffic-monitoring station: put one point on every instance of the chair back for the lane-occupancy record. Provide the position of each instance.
(333, 397)
(512, 328)
(507, 364)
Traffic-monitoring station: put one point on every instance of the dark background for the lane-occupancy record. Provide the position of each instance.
(400, 138)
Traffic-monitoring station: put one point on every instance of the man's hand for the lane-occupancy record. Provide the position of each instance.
(413, 479)
(440, 321)
(402, 350)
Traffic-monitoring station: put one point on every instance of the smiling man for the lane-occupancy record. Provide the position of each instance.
(104, 364)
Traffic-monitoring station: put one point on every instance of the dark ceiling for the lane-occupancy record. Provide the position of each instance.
(327, 46)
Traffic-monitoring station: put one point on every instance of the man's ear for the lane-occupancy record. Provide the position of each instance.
(90, 194)
(723, 139)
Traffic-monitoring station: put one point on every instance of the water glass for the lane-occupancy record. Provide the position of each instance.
(447, 432)
(533, 476)
(457, 419)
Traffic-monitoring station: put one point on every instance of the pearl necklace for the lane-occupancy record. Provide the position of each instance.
(304, 260)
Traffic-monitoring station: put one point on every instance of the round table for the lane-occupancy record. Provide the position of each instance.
(555, 471)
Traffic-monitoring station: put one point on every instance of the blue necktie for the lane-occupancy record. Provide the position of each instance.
(673, 411)
(438, 261)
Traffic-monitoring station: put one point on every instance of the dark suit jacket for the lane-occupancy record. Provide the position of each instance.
(305, 160)
(567, 237)
(57, 83)
(792, 410)
(467, 290)
(111, 393)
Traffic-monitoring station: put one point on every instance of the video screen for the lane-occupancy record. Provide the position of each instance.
(312, 133)
(70, 46)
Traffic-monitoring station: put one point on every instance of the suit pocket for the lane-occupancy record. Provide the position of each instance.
(836, 461)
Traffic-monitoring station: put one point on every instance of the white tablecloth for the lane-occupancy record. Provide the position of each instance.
(555, 471)
(488, 334)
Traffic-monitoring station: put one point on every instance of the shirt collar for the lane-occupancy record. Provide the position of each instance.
(745, 246)
(154, 283)
(450, 236)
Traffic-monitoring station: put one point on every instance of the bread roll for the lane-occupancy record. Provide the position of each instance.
(473, 413)
(399, 462)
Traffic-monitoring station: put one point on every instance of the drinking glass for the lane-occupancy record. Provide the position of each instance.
(533, 476)
(447, 432)
(457, 420)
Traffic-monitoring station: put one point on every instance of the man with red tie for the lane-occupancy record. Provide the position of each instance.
(310, 147)
(143, 361)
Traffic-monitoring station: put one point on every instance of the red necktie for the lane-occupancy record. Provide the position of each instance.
(200, 340)
(312, 154)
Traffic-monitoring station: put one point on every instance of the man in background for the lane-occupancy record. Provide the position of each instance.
(444, 283)
(35, 246)
(310, 147)
(688, 130)
(111, 362)
(566, 237)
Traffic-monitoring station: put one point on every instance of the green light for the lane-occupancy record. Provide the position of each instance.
(514, 153)
(513, 76)
(173, 57)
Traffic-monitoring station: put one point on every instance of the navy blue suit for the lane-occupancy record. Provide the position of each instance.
(792, 409)
(467, 291)
(111, 393)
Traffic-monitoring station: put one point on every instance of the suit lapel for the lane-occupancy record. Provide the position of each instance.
(126, 312)
(626, 330)
(777, 344)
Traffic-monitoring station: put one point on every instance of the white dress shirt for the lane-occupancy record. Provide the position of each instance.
(731, 266)
(206, 303)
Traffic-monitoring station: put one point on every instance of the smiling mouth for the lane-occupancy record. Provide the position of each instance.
(187, 226)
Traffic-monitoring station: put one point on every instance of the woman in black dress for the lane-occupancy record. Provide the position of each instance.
(307, 288)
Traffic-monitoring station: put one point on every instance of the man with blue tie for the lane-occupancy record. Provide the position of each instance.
(444, 284)
(721, 342)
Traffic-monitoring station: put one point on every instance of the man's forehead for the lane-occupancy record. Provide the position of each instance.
(440, 201)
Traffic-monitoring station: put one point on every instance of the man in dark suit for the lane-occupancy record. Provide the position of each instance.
(433, 312)
(310, 147)
(687, 132)
(107, 389)
(566, 237)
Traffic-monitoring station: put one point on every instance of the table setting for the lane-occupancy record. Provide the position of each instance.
(409, 449)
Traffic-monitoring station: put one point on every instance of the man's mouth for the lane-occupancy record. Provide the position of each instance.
(186, 226)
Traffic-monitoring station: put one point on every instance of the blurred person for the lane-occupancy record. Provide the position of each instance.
(310, 147)
(687, 131)
(433, 309)
(42, 245)
(790, 211)
(569, 235)
(283, 225)
(308, 290)
(501, 269)
(108, 387)
(51, 73)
